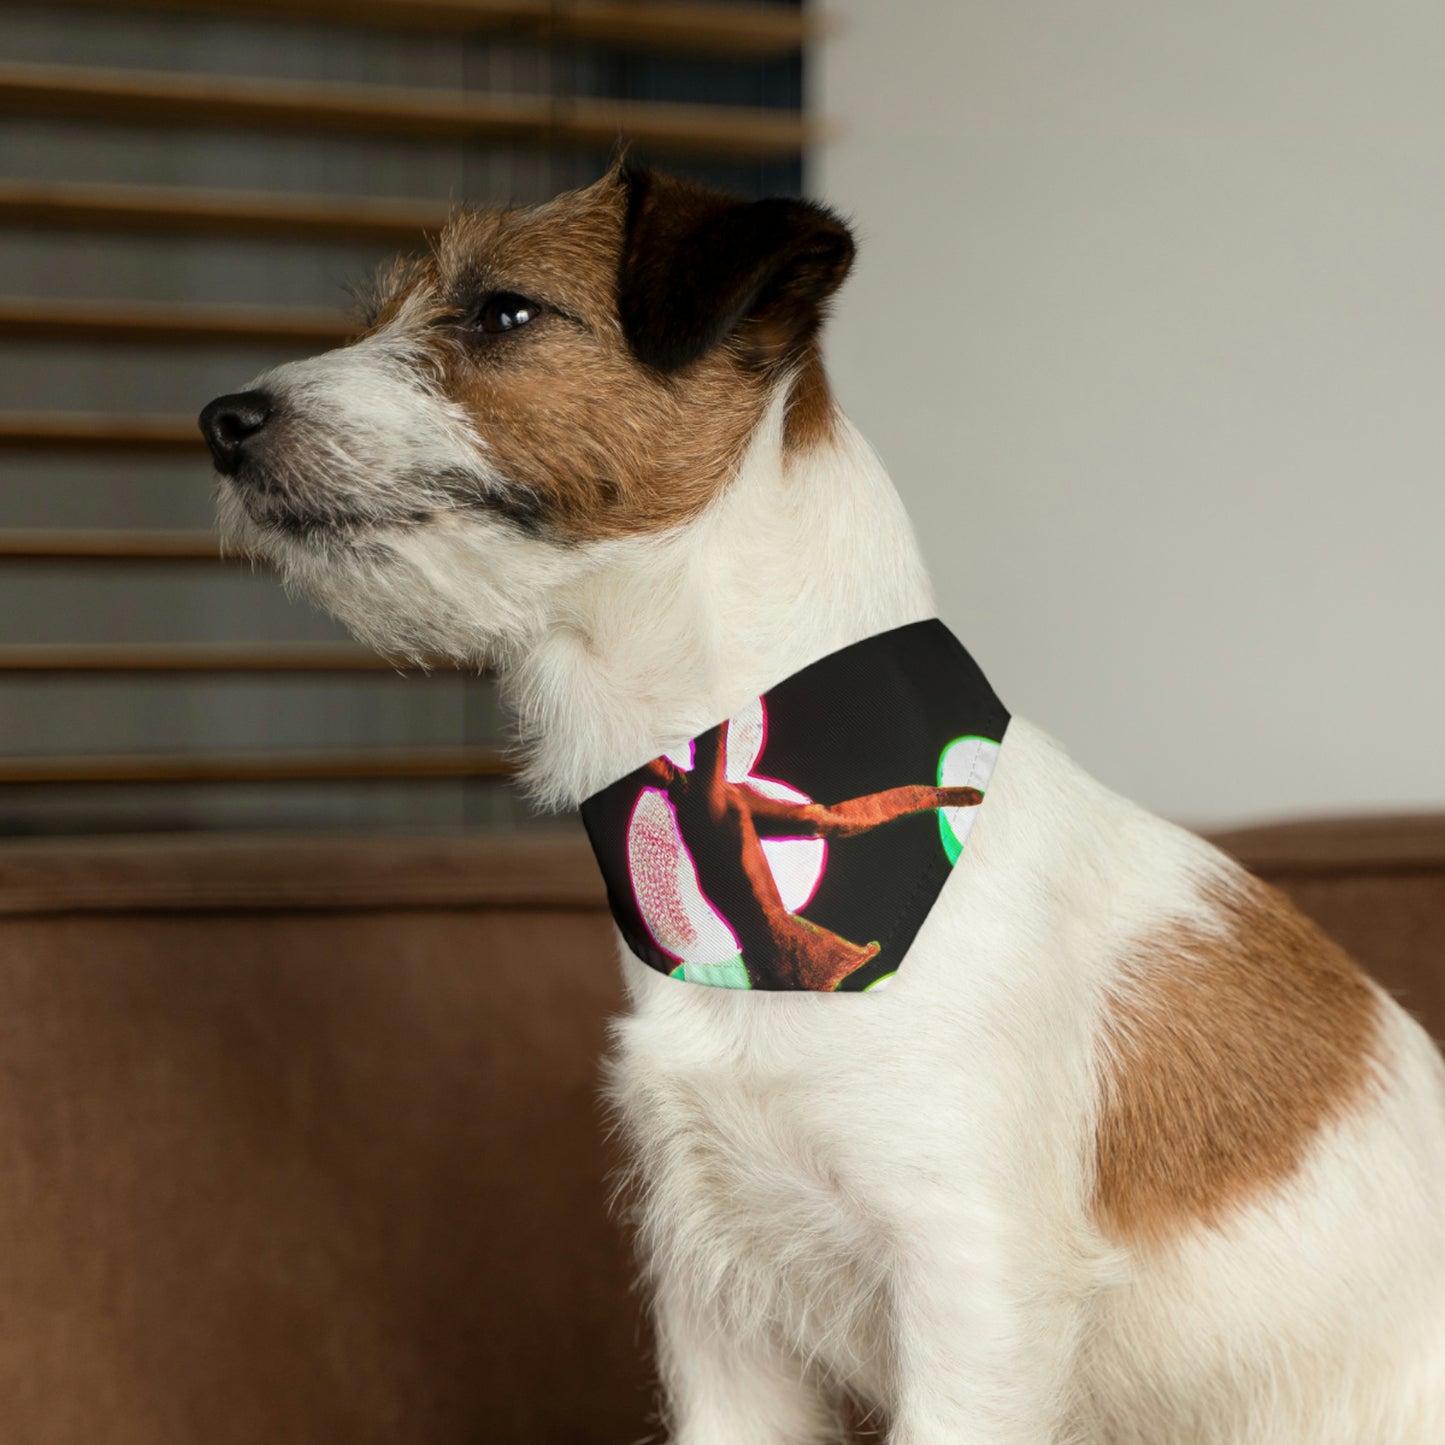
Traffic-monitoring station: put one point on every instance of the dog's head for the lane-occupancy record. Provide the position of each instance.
(547, 382)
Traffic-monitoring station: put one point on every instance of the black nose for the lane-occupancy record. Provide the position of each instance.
(229, 422)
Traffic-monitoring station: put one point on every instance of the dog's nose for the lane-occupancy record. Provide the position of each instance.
(229, 422)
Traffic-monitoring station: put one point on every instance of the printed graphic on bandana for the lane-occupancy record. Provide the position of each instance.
(800, 844)
(664, 876)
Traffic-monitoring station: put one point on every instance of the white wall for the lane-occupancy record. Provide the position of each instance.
(1149, 324)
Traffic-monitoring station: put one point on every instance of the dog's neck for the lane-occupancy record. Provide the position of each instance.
(804, 553)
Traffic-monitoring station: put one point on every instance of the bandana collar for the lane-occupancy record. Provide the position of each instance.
(801, 843)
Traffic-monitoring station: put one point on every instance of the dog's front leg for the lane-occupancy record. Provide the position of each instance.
(985, 1345)
(721, 1387)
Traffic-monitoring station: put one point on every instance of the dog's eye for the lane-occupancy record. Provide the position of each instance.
(505, 311)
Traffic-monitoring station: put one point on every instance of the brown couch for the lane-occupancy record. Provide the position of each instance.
(299, 1142)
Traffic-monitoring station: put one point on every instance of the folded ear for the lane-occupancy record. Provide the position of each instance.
(699, 267)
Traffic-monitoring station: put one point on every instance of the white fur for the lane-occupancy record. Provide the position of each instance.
(889, 1193)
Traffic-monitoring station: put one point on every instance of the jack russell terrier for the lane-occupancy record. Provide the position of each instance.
(974, 1094)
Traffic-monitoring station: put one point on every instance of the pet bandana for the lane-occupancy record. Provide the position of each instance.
(801, 843)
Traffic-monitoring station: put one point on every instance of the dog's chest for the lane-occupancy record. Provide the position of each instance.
(754, 1181)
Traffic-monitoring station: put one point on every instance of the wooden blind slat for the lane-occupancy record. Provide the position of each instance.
(176, 211)
(705, 29)
(109, 546)
(755, 31)
(169, 323)
(216, 101)
(96, 431)
(182, 657)
(260, 767)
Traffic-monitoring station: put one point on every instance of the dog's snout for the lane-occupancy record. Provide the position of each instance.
(229, 422)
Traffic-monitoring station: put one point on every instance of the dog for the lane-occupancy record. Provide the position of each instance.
(1127, 1153)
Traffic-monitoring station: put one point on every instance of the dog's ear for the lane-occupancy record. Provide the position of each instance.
(699, 267)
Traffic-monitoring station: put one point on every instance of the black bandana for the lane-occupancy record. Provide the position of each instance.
(721, 867)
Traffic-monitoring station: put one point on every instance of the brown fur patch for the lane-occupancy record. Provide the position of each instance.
(595, 442)
(1228, 1051)
(812, 413)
